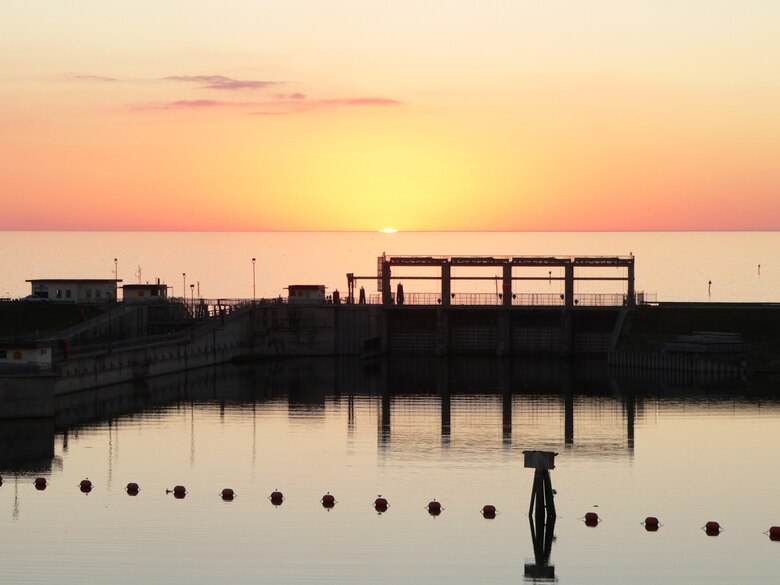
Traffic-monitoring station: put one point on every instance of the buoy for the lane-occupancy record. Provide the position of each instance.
(591, 519)
(179, 492)
(651, 524)
(489, 511)
(40, 483)
(328, 501)
(712, 528)
(434, 508)
(381, 504)
(85, 486)
(774, 533)
(277, 498)
(132, 489)
(228, 494)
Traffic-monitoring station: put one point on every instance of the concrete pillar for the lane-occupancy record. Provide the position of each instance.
(442, 331)
(504, 333)
(506, 287)
(446, 285)
(631, 294)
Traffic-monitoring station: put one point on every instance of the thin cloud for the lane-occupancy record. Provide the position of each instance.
(284, 107)
(192, 105)
(221, 82)
(85, 77)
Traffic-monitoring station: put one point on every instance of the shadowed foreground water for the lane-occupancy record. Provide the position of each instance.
(686, 451)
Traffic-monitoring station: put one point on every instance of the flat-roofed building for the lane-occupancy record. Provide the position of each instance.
(75, 290)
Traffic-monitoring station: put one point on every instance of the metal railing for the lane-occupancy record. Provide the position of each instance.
(518, 299)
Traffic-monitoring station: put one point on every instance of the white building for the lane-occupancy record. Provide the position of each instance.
(75, 290)
(26, 354)
(306, 293)
(144, 293)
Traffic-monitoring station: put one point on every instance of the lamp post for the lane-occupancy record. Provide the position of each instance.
(184, 286)
(116, 269)
(253, 282)
(192, 296)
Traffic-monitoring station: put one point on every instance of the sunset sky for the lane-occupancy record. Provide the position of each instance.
(417, 115)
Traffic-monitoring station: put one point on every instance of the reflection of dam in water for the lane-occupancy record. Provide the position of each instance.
(473, 403)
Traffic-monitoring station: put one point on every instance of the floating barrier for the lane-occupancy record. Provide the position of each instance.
(328, 501)
(276, 498)
(179, 492)
(774, 533)
(489, 511)
(434, 508)
(381, 504)
(651, 524)
(40, 483)
(228, 494)
(132, 489)
(592, 519)
(712, 528)
(85, 486)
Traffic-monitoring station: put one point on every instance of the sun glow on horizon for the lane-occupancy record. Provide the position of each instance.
(388, 230)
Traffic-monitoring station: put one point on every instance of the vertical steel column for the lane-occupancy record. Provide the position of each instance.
(387, 297)
(446, 284)
(631, 300)
(569, 283)
(506, 287)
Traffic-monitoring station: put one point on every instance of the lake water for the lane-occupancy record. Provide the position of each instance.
(676, 266)
(685, 450)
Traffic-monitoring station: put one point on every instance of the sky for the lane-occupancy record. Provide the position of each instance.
(259, 115)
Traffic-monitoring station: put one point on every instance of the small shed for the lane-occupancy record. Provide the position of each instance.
(144, 293)
(75, 290)
(310, 294)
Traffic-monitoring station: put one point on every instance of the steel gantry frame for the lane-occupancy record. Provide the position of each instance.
(385, 277)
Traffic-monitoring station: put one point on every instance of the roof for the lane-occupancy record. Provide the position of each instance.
(155, 285)
(308, 286)
(74, 280)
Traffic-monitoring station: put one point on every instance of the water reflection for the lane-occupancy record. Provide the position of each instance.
(529, 390)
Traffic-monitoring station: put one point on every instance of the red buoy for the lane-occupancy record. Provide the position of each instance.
(132, 489)
(381, 504)
(489, 511)
(228, 494)
(591, 519)
(651, 524)
(774, 533)
(40, 483)
(277, 498)
(179, 492)
(328, 501)
(85, 486)
(712, 528)
(434, 508)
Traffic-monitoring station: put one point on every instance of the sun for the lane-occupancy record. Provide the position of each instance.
(388, 230)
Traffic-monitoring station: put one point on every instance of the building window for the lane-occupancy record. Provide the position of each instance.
(44, 351)
(67, 294)
(155, 292)
(58, 293)
(97, 293)
(89, 293)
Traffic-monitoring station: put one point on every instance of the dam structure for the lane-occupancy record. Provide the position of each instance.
(596, 312)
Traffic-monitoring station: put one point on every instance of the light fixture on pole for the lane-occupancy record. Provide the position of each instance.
(184, 286)
(254, 295)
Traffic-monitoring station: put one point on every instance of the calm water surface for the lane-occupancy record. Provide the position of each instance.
(687, 451)
(676, 266)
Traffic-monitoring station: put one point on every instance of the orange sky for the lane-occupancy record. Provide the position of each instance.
(358, 115)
